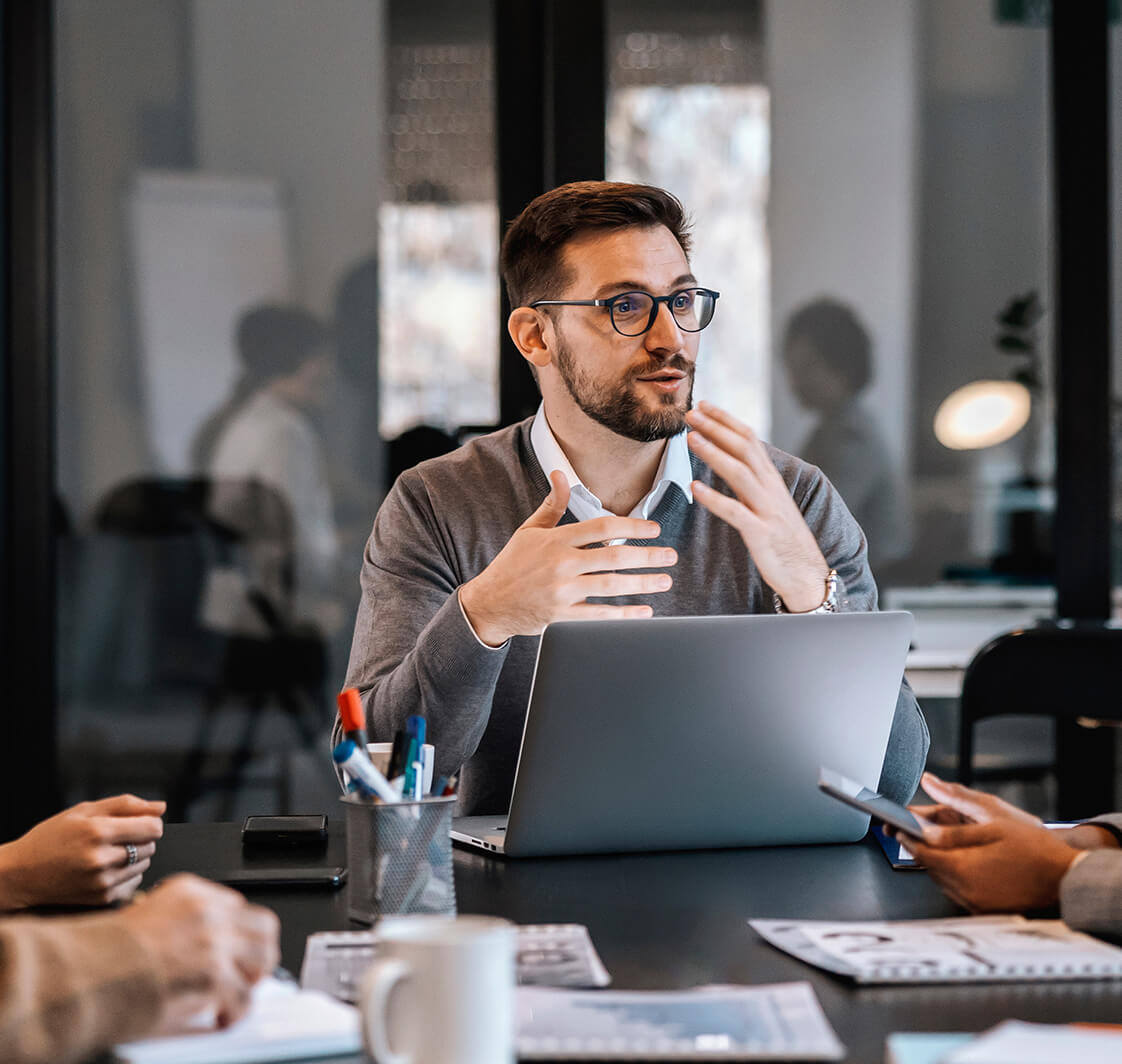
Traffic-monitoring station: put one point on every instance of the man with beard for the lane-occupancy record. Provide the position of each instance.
(595, 507)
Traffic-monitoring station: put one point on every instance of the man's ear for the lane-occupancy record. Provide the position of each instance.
(526, 328)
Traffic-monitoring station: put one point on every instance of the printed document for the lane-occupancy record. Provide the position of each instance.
(963, 949)
(779, 1022)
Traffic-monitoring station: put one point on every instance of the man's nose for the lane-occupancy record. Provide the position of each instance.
(665, 334)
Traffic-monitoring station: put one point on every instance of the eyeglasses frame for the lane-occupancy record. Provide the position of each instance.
(655, 301)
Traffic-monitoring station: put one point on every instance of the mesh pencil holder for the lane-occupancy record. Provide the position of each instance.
(399, 858)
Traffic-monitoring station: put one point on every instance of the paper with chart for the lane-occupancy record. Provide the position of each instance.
(962, 949)
(548, 955)
(779, 1022)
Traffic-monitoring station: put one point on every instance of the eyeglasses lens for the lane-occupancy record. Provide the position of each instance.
(692, 309)
(631, 313)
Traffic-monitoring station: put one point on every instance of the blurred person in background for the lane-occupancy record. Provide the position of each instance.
(266, 432)
(828, 355)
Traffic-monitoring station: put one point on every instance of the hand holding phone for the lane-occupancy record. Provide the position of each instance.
(876, 805)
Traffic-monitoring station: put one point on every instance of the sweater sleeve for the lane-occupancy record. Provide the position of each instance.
(413, 650)
(1091, 893)
(843, 544)
(71, 986)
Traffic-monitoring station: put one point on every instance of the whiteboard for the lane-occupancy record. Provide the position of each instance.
(204, 248)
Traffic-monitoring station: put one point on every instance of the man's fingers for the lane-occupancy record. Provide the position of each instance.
(135, 829)
(600, 529)
(746, 485)
(553, 506)
(232, 998)
(727, 509)
(258, 952)
(734, 438)
(127, 805)
(620, 557)
(610, 585)
(717, 413)
(590, 611)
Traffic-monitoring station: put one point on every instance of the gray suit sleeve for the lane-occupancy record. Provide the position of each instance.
(1091, 893)
(843, 544)
(413, 651)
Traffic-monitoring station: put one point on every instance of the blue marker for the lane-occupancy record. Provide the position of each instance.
(415, 735)
(348, 757)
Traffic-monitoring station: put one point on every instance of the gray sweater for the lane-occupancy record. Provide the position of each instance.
(442, 524)
(1091, 893)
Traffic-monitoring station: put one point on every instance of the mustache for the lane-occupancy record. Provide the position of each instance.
(675, 362)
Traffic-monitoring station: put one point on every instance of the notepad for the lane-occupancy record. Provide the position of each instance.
(779, 1022)
(283, 1023)
(974, 949)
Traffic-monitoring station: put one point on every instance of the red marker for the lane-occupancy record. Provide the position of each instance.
(353, 717)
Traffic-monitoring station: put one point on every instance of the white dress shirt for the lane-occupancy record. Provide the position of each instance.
(673, 469)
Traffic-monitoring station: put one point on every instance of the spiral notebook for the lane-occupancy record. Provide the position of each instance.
(973, 949)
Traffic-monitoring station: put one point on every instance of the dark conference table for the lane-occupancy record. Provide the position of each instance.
(676, 920)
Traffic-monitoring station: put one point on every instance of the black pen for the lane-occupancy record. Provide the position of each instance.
(397, 755)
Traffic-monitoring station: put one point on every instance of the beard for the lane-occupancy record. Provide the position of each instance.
(620, 408)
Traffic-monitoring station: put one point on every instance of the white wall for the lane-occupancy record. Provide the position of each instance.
(295, 90)
(843, 78)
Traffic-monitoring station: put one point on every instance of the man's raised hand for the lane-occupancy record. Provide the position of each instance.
(761, 508)
(547, 572)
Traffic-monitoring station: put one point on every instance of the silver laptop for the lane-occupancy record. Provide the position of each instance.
(696, 732)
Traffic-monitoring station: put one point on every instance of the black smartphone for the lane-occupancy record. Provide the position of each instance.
(316, 876)
(284, 832)
(876, 805)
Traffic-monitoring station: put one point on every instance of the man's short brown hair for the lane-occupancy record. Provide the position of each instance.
(531, 256)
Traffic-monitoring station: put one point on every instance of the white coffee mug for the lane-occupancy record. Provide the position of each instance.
(441, 991)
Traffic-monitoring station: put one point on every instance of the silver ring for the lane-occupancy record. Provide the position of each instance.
(130, 849)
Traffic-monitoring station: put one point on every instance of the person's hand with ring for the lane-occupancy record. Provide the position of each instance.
(94, 853)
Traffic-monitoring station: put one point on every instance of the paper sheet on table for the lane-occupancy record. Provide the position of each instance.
(548, 955)
(283, 1023)
(1041, 1043)
(779, 1022)
(964, 949)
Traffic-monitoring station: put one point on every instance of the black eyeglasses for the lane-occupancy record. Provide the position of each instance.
(633, 313)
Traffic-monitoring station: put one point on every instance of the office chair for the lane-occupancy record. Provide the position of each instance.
(232, 527)
(1069, 671)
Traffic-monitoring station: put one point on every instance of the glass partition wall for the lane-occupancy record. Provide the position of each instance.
(276, 258)
(278, 220)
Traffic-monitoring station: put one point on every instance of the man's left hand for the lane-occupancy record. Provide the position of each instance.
(763, 511)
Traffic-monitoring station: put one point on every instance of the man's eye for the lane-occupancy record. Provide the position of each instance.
(683, 300)
(624, 306)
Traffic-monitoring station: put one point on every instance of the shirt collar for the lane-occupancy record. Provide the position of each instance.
(674, 468)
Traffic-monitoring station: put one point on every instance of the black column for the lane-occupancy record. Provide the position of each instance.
(28, 770)
(1081, 137)
(551, 86)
